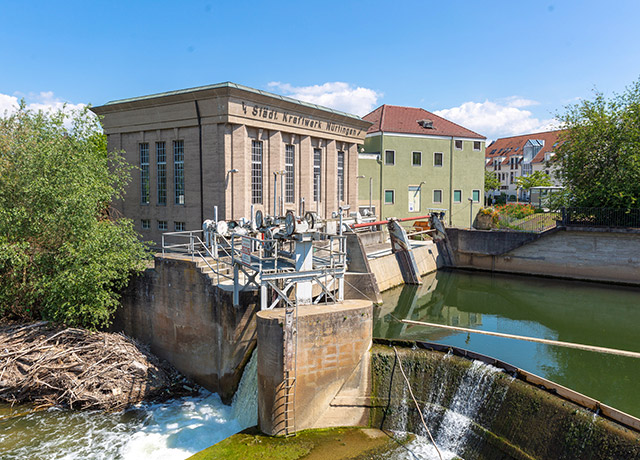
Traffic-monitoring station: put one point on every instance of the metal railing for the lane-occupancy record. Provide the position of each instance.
(241, 256)
(601, 217)
(534, 223)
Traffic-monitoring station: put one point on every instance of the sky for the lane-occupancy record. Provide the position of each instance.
(499, 68)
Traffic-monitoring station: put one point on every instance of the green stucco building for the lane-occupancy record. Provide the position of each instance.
(414, 162)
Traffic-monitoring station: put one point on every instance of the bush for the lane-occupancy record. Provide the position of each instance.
(63, 256)
(515, 210)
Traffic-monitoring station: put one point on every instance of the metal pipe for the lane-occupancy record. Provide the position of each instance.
(275, 193)
(382, 222)
(370, 194)
(282, 177)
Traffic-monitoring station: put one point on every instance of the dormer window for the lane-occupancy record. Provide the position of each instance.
(426, 123)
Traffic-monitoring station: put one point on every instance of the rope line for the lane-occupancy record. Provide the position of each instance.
(416, 403)
(579, 346)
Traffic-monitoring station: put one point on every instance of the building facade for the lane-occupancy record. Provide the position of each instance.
(511, 157)
(414, 162)
(230, 146)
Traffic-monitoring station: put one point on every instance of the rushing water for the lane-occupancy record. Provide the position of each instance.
(173, 430)
(570, 311)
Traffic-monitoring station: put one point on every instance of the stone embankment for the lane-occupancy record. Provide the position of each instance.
(79, 369)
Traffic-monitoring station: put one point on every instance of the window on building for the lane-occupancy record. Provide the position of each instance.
(161, 166)
(389, 157)
(457, 196)
(389, 196)
(512, 178)
(437, 196)
(178, 226)
(162, 225)
(437, 159)
(458, 144)
(476, 196)
(417, 159)
(144, 173)
(178, 171)
(146, 224)
(476, 145)
(289, 167)
(256, 172)
(317, 174)
(340, 176)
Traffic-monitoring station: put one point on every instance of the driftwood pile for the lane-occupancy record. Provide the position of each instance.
(80, 369)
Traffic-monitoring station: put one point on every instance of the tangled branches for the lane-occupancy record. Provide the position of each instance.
(79, 369)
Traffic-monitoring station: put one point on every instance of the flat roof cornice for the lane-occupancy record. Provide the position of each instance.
(209, 90)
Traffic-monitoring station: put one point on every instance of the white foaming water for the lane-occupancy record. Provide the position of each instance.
(467, 401)
(421, 448)
(173, 430)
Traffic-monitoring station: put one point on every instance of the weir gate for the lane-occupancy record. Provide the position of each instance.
(313, 365)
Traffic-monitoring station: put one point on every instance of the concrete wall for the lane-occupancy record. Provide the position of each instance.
(600, 256)
(184, 319)
(515, 420)
(387, 271)
(332, 358)
(487, 242)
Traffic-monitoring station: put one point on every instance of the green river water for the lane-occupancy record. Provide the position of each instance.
(569, 311)
(588, 313)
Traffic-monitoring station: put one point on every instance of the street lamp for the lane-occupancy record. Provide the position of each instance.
(470, 213)
(226, 184)
(370, 192)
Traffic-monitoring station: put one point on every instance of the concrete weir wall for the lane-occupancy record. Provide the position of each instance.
(510, 419)
(570, 253)
(186, 320)
(332, 370)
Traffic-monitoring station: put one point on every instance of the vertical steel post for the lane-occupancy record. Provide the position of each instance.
(370, 194)
(275, 194)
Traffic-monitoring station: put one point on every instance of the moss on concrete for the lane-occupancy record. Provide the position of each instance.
(517, 420)
(333, 443)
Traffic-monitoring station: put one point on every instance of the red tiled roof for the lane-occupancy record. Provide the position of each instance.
(395, 119)
(508, 146)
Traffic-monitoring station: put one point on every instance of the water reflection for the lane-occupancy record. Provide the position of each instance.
(569, 311)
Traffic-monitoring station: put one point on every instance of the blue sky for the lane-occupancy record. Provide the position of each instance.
(498, 67)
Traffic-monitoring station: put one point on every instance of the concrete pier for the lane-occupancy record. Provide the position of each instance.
(332, 364)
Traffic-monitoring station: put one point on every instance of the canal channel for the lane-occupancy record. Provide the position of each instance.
(571, 311)
(588, 313)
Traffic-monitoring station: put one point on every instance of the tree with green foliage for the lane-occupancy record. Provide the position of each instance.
(599, 158)
(535, 179)
(64, 256)
(491, 181)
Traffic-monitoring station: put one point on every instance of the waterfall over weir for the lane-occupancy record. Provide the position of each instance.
(449, 418)
(172, 430)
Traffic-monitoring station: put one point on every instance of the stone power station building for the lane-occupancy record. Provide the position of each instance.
(224, 145)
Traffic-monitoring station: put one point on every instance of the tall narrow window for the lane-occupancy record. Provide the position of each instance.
(161, 164)
(144, 173)
(178, 171)
(289, 167)
(317, 174)
(256, 172)
(340, 176)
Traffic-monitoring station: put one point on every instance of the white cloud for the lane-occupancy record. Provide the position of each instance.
(45, 101)
(498, 119)
(336, 95)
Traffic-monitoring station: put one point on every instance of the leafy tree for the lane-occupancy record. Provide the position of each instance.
(491, 181)
(63, 255)
(535, 179)
(600, 157)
